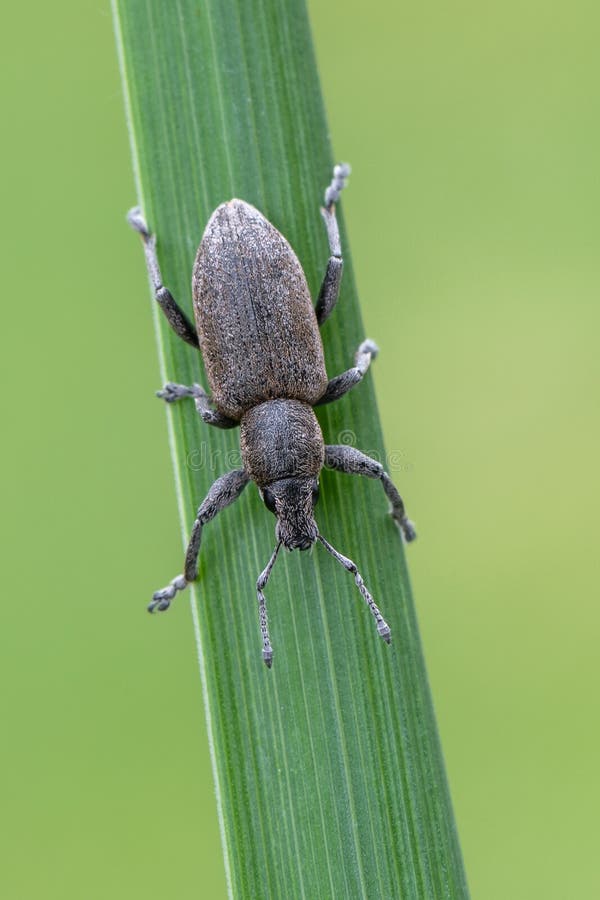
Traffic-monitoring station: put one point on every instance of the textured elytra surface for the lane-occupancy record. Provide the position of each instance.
(256, 323)
(281, 439)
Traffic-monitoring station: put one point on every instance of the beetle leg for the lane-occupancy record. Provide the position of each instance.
(176, 317)
(223, 492)
(341, 384)
(330, 288)
(173, 392)
(353, 462)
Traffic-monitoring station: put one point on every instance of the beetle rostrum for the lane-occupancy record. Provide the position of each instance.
(258, 332)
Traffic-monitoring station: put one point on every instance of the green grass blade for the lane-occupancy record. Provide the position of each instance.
(328, 770)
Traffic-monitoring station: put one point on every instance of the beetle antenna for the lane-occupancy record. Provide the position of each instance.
(382, 627)
(262, 607)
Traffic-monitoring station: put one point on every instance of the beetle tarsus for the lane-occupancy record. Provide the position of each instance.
(384, 631)
(337, 184)
(368, 346)
(408, 530)
(161, 600)
(172, 392)
(137, 221)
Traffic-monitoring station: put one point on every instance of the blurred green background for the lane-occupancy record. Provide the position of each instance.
(474, 218)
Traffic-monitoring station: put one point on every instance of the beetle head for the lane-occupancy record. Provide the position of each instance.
(293, 501)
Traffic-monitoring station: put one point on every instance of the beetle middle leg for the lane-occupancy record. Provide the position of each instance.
(353, 462)
(330, 288)
(223, 492)
(173, 392)
(341, 384)
(176, 317)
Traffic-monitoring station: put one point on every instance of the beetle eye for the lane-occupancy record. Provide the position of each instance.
(269, 500)
(315, 493)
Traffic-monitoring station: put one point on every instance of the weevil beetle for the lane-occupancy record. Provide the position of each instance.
(259, 336)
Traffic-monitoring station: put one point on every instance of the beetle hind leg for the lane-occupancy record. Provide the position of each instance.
(330, 288)
(175, 316)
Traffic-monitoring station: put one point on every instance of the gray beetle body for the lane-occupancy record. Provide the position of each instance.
(263, 356)
(259, 336)
(256, 324)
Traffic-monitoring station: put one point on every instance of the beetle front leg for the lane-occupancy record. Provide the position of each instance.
(341, 384)
(330, 288)
(176, 317)
(223, 492)
(353, 462)
(173, 392)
